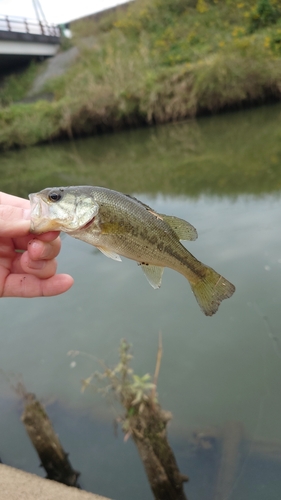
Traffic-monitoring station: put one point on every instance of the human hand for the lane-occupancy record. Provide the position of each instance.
(27, 264)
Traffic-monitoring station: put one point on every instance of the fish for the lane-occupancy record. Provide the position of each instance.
(120, 225)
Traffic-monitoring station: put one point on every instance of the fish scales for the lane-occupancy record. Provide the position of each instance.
(144, 237)
(119, 224)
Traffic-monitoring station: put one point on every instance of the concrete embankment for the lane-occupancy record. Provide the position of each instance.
(19, 485)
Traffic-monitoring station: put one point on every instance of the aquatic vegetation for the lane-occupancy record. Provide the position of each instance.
(144, 420)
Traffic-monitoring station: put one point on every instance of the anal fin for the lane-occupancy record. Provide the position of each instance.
(153, 274)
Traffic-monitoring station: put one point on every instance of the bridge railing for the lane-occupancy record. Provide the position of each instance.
(24, 25)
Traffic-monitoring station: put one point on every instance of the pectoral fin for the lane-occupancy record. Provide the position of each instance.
(153, 274)
(182, 228)
(110, 254)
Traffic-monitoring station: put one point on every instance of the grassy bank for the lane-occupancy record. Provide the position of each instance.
(158, 61)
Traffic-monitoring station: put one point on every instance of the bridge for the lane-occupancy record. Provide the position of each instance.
(24, 39)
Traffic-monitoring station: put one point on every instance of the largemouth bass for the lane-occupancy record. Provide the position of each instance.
(118, 224)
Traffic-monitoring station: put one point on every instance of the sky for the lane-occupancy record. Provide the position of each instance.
(56, 11)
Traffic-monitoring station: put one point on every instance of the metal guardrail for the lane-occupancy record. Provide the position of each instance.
(23, 25)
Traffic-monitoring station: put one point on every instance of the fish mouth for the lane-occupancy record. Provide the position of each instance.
(38, 207)
(39, 215)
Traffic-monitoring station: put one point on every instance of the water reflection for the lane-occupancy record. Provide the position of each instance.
(228, 155)
(223, 174)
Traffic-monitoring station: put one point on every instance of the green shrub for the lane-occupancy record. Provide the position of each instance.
(264, 14)
(15, 86)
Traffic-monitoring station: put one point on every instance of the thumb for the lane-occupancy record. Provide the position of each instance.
(14, 221)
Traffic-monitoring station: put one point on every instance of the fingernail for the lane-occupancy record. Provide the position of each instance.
(36, 264)
(39, 248)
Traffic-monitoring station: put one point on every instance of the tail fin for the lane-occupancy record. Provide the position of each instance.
(211, 290)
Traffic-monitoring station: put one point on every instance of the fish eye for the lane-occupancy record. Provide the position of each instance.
(54, 196)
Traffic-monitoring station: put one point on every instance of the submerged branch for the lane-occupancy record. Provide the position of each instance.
(46, 442)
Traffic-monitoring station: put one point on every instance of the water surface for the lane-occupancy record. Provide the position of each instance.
(222, 174)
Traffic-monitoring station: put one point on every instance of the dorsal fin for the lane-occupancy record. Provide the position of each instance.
(181, 227)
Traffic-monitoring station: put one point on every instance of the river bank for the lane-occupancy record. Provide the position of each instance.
(156, 62)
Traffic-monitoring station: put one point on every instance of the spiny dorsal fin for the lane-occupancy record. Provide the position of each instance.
(153, 274)
(182, 228)
(140, 202)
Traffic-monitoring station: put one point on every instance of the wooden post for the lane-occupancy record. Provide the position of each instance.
(46, 442)
(148, 430)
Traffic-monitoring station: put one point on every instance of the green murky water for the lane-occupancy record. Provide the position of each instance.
(222, 174)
